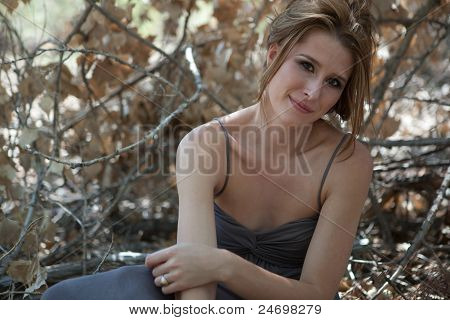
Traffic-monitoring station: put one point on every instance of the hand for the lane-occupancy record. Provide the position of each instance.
(185, 266)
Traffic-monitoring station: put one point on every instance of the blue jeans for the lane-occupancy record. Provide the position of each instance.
(124, 283)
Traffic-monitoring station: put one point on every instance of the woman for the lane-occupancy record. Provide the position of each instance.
(275, 234)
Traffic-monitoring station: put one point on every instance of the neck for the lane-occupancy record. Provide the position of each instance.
(282, 136)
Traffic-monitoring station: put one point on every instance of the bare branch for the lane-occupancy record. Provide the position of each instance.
(410, 143)
(417, 242)
(149, 135)
(392, 64)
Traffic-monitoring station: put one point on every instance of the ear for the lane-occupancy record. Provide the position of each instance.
(272, 52)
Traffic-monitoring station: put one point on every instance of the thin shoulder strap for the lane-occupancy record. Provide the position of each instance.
(227, 155)
(328, 169)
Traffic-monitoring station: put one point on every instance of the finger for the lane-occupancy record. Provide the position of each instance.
(168, 277)
(171, 288)
(158, 257)
(161, 269)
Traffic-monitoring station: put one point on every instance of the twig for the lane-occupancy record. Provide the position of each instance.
(27, 224)
(417, 164)
(56, 137)
(83, 232)
(399, 91)
(430, 101)
(393, 63)
(198, 81)
(410, 143)
(105, 256)
(410, 158)
(381, 217)
(153, 134)
(134, 66)
(19, 242)
(133, 34)
(134, 81)
(217, 100)
(421, 234)
(79, 24)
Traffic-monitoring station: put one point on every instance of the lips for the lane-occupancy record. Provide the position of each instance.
(300, 105)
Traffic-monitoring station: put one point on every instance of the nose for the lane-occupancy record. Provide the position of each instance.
(312, 89)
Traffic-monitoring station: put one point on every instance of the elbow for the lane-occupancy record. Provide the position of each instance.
(310, 291)
(325, 293)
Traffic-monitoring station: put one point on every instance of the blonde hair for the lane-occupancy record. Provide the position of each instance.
(351, 23)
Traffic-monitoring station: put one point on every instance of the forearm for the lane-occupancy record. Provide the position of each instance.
(253, 282)
(207, 292)
(200, 231)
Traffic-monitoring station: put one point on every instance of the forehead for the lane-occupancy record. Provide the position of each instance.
(327, 50)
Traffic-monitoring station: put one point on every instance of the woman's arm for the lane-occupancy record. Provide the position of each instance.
(196, 179)
(325, 261)
(329, 249)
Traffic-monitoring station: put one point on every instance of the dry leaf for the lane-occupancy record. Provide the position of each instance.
(4, 97)
(344, 285)
(9, 232)
(23, 271)
(47, 229)
(4, 159)
(67, 87)
(56, 168)
(92, 171)
(43, 144)
(68, 174)
(16, 191)
(33, 84)
(25, 160)
(108, 74)
(27, 137)
(389, 127)
(11, 5)
(226, 10)
(46, 103)
(7, 171)
(30, 243)
(107, 176)
(40, 276)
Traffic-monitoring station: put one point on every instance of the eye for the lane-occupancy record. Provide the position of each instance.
(335, 83)
(307, 66)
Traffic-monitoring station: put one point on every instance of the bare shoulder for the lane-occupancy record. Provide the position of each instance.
(201, 155)
(356, 154)
(210, 137)
(352, 166)
(202, 132)
(353, 170)
(359, 159)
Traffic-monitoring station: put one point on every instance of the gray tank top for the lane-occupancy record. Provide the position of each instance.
(281, 250)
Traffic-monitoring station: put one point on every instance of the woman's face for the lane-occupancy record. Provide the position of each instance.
(314, 75)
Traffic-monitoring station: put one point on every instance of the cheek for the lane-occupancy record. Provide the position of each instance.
(287, 79)
(338, 95)
(332, 97)
(275, 87)
(292, 76)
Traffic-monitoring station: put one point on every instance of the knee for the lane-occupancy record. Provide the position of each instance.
(135, 274)
(128, 282)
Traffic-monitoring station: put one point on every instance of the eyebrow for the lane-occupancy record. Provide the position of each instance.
(318, 63)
